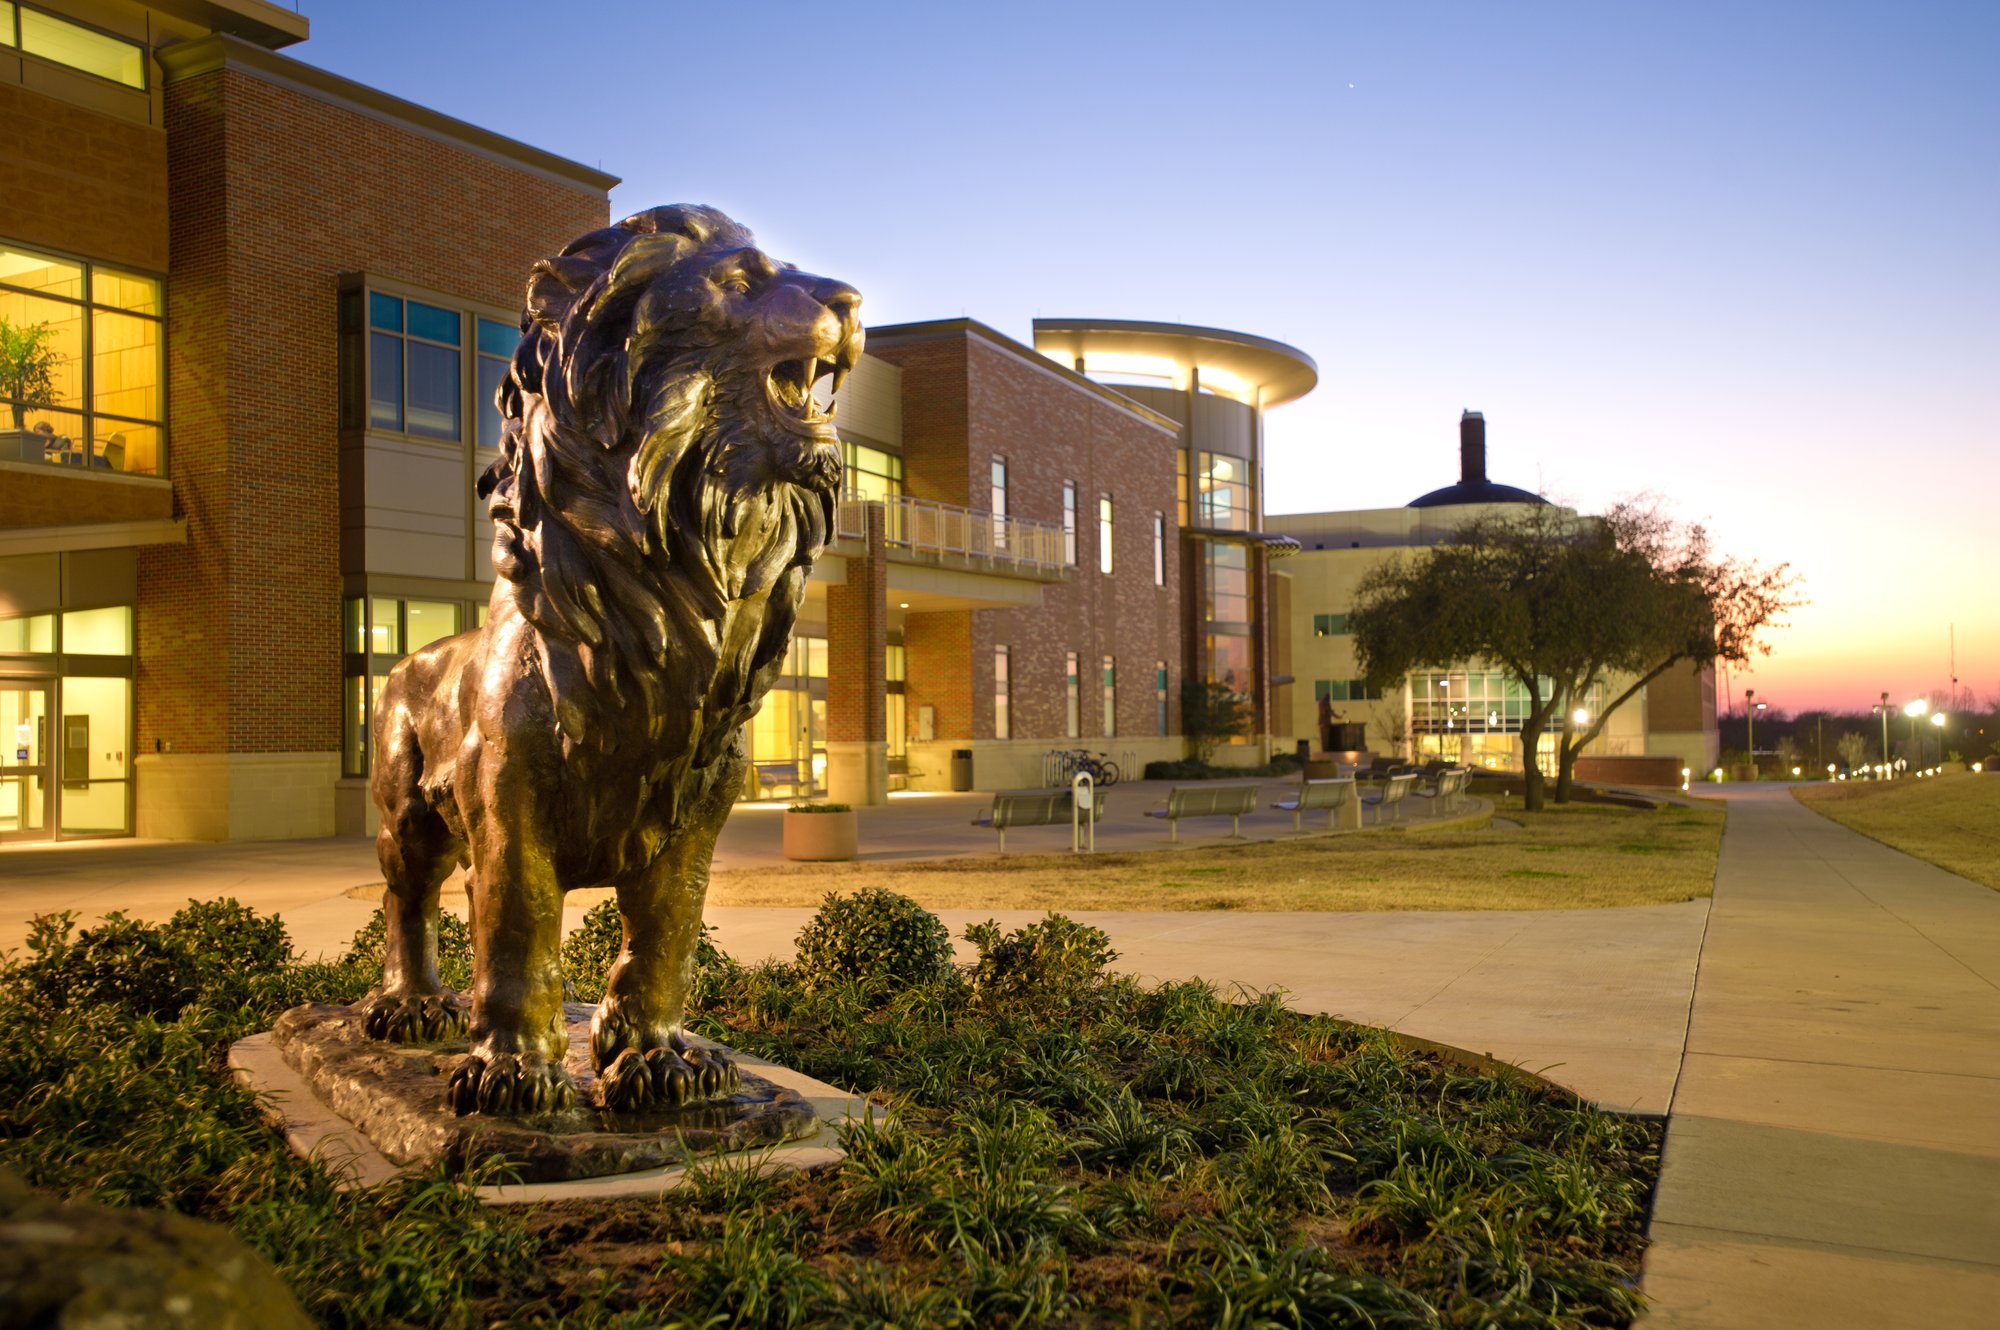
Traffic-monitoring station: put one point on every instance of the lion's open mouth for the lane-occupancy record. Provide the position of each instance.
(789, 388)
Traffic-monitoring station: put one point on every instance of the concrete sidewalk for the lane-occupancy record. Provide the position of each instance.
(1833, 1159)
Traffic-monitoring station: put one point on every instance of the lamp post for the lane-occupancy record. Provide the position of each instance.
(1914, 708)
(1883, 708)
(1750, 709)
(1937, 719)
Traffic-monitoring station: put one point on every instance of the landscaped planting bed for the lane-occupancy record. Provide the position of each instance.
(1064, 1148)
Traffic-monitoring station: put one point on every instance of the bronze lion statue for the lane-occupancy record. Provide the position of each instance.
(665, 481)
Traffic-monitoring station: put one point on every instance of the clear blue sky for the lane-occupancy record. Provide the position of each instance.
(1746, 256)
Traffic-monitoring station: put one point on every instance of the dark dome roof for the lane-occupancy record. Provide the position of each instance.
(1477, 491)
(1473, 486)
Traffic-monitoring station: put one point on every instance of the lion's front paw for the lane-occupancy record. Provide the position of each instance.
(517, 1083)
(414, 1018)
(665, 1076)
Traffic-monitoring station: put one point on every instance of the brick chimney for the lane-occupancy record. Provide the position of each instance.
(1472, 449)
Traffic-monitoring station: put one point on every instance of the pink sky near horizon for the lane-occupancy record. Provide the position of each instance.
(1742, 257)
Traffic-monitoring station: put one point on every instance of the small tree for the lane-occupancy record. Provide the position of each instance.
(27, 368)
(1786, 750)
(1210, 713)
(1853, 749)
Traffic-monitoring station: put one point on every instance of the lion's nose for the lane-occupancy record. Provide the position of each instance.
(843, 300)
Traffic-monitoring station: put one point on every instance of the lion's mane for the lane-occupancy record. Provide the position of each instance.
(650, 525)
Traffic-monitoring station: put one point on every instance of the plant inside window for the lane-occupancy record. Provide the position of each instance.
(27, 368)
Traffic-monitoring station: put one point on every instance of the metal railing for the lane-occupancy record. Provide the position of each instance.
(943, 529)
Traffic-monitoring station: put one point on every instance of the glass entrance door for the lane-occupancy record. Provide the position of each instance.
(27, 792)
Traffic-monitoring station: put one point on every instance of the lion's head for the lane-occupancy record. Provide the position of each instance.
(663, 458)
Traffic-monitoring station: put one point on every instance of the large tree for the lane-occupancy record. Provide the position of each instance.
(1564, 603)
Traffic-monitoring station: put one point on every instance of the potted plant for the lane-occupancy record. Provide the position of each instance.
(27, 382)
(820, 832)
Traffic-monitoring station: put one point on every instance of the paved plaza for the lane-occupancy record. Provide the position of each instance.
(1826, 1032)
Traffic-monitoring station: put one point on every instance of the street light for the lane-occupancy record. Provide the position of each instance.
(1750, 710)
(1914, 708)
(1937, 719)
(1884, 710)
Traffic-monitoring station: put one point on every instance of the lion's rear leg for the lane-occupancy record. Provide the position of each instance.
(636, 1040)
(417, 853)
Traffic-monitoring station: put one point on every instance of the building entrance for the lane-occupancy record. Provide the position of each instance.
(27, 790)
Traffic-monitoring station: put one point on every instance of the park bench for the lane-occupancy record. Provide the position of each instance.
(1448, 789)
(775, 773)
(1230, 801)
(1335, 796)
(1034, 808)
(1388, 797)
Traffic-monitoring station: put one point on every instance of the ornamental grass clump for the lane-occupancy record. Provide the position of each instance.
(876, 937)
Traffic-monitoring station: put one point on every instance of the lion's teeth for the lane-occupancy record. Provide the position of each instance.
(831, 407)
(839, 377)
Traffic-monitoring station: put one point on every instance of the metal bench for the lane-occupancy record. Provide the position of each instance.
(1034, 808)
(1388, 797)
(1448, 789)
(1230, 801)
(775, 773)
(1336, 796)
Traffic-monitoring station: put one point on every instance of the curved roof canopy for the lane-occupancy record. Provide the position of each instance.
(1234, 364)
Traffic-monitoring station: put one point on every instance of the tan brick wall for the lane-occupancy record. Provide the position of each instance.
(274, 195)
(78, 180)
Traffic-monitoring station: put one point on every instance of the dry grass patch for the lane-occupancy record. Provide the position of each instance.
(1575, 857)
(1951, 821)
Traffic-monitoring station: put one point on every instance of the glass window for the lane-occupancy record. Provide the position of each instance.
(1069, 523)
(1104, 534)
(385, 381)
(31, 634)
(83, 48)
(1110, 697)
(125, 365)
(430, 621)
(356, 633)
(105, 632)
(1229, 660)
(42, 274)
(431, 372)
(1159, 550)
(95, 761)
(895, 663)
(1073, 695)
(997, 493)
(1160, 696)
(1329, 625)
(6, 24)
(871, 473)
(496, 353)
(1222, 492)
(1228, 583)
(1002, 721)
(433, 324)
(385, 312)
(127, 291)
(385, 628)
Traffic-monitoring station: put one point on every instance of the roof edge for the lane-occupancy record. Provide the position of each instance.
(189, 59)
(938, 329)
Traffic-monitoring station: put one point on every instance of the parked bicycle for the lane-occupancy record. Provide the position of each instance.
(1102, 771)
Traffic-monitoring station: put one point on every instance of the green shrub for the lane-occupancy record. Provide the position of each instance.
(1057, 960)
(120, 963)
(874, 936)
(364, 952)
(229, 934)
(592, 947)
(820, 808)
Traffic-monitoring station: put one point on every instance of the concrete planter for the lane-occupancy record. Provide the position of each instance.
(818, 837)
(1743, 771)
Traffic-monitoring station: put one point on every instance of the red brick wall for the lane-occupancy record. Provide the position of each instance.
(967, 399)
(274, 195)
(39, 495)
(82, 181)
(938, 666)
(857, 628)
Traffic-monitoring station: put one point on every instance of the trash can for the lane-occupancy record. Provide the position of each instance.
(1305, 750)
(961, 769)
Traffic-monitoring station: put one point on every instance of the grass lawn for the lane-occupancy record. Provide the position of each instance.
(1951, 821)
(1572, 857)
(1068, 1149)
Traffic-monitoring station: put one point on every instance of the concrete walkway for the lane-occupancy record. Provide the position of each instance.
(1833, 1159)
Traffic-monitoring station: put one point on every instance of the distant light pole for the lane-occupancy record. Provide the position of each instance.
(1884, 709)
(1914, 708)
(1937, 719)
(1750, 710)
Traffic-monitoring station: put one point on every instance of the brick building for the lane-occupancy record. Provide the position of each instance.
(267, 290)
(274, 305)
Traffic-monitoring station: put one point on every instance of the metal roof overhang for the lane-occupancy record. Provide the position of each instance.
(1281, 373)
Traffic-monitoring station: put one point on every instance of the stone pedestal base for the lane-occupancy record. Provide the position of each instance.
(394, 1095)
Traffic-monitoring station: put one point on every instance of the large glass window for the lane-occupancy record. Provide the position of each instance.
(896, 666)
(872, 473)
(377, 632)
(1159, 549)
(69, 731)
(72, 44)
(413, 367)
(1222, 492)
(1473, 702)
(1329, 625)
(82, 368)
(1069, 523)
(1228, 599)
